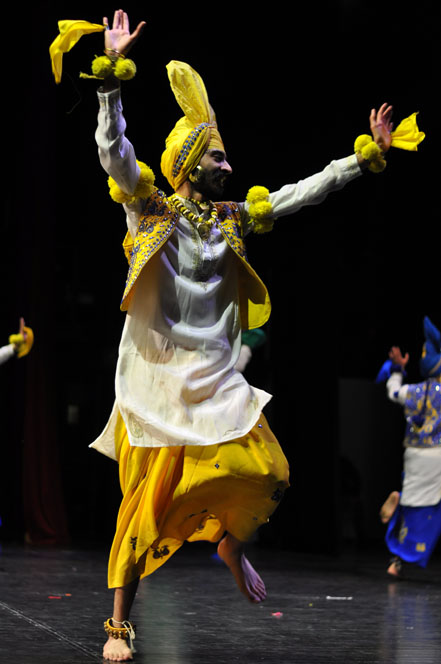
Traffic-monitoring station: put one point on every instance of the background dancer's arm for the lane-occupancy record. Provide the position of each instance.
(396, 391)
(11, 349)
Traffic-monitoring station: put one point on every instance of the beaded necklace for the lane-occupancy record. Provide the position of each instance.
(203, 225)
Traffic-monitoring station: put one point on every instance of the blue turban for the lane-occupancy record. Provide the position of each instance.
(430, 362)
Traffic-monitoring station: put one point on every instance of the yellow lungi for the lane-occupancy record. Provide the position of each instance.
(173, 494)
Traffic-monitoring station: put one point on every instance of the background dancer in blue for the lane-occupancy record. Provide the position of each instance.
(414, 515)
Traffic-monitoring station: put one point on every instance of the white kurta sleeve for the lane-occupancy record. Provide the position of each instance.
(396, 391)
(6, 352)
(116, 153)
(314, 189)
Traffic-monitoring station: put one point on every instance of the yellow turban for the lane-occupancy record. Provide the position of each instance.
(195, 132)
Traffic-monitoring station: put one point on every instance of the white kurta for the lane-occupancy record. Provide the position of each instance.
(175, 381)
(179, 346)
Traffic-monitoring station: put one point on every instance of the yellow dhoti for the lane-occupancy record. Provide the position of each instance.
(173, 494)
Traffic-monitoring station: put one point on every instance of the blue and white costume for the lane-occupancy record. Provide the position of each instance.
(415, 527)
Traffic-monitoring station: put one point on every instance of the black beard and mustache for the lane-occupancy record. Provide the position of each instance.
(210, 184)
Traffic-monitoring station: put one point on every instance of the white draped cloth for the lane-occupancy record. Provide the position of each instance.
(176, 382)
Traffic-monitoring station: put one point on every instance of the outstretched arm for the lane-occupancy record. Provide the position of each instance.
(313, 190)
(396, 391)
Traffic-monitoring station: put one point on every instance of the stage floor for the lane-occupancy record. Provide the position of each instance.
(319, 610)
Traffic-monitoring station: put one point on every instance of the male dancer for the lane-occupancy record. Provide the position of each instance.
(197, 458)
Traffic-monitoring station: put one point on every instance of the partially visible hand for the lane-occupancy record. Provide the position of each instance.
(397, 358)
(22, 329)
(118, 38)
(19, 339)
(381, 126)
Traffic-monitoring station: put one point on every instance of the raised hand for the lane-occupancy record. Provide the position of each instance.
(22, 329)
(397, 358)
(118, 38)
(381, 126)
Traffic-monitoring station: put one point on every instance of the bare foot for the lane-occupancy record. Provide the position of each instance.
(389, 506)
(230, 550)
(394, 568)
(117, 650)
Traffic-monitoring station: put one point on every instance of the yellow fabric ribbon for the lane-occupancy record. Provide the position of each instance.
(189, 139)
(70, 33)
(407, 136)
(24, 342)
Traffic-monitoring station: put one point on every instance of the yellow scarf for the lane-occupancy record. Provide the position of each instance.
(407, 136)
(70, 33)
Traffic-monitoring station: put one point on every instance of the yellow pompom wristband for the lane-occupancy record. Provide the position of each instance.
(22, 343)
(370, 151)
(143, 189)
(406, 136)
(17, 340)
(260, 209)
(104, 66)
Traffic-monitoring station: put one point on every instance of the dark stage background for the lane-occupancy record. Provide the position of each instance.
(292, 88)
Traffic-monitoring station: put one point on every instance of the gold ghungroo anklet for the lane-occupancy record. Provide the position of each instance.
(126, 632)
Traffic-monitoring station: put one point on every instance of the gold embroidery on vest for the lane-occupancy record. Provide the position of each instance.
(157, 223)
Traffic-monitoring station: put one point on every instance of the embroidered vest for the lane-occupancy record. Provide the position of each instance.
(423, 414)
(156, 225)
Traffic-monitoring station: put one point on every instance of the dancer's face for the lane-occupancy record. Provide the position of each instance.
(212, 175)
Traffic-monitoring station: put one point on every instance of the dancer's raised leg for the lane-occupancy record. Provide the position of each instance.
(231, 551)
(389, 506)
